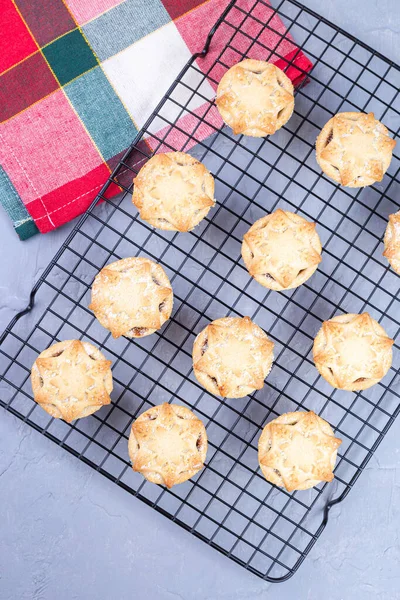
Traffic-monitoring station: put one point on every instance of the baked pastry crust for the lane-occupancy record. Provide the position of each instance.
(352, 352)
(255, 98)
(281, 250)
(297, 450)
(167, 444)
(132, 297)
(354, 149)
(173, 191)
(232, 356)
(392, 242)
(71, 380)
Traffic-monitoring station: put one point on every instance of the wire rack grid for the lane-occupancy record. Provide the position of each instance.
(229, 504)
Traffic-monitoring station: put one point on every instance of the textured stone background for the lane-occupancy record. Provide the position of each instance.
(66, 532)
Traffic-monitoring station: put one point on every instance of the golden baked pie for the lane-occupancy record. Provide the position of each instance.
(167, 444)
(232, 356)
(392, 242)
(281, 250)
(352, 352)
(132, 297)
(71, 380)
(354, 149)
(255, 98)
(173, 191)
(297, 450)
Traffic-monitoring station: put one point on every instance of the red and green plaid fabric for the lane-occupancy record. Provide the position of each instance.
(78, 78)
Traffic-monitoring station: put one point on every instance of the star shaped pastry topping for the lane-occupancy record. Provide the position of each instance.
(298, 450)
(132, 297)
(255, 98)
(167, 444)
(232, 356)
(392, 242)
(281, 250)
(173, 191)
(71, 379)
(357, 147)
(352, 352)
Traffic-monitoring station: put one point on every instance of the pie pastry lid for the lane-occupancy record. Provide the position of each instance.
(167, 444)
(352, 352)
(255, 98)
(232, 357)
(281, 250)
(298, 451)
(132, 297)
(173, 191)
(71, 380)
(354, 149)
(392, 242)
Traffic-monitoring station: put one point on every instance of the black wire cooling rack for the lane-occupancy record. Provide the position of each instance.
(229, 504)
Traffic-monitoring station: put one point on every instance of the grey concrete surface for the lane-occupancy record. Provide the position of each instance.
(68, 533)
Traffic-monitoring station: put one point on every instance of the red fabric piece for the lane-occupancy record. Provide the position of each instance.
(298, 59)
(179, 137)
(86, 10)
(47, 147)
(13, 28)
(24, 85)
(72, 199)
(176, 8)
(46, 19)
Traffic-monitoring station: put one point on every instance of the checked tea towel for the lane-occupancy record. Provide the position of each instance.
(78, 78)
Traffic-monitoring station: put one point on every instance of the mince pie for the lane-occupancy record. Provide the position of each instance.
(132, 297)
(167, 444)
(255, 98)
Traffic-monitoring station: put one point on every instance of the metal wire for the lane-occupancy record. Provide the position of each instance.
(229, 504)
